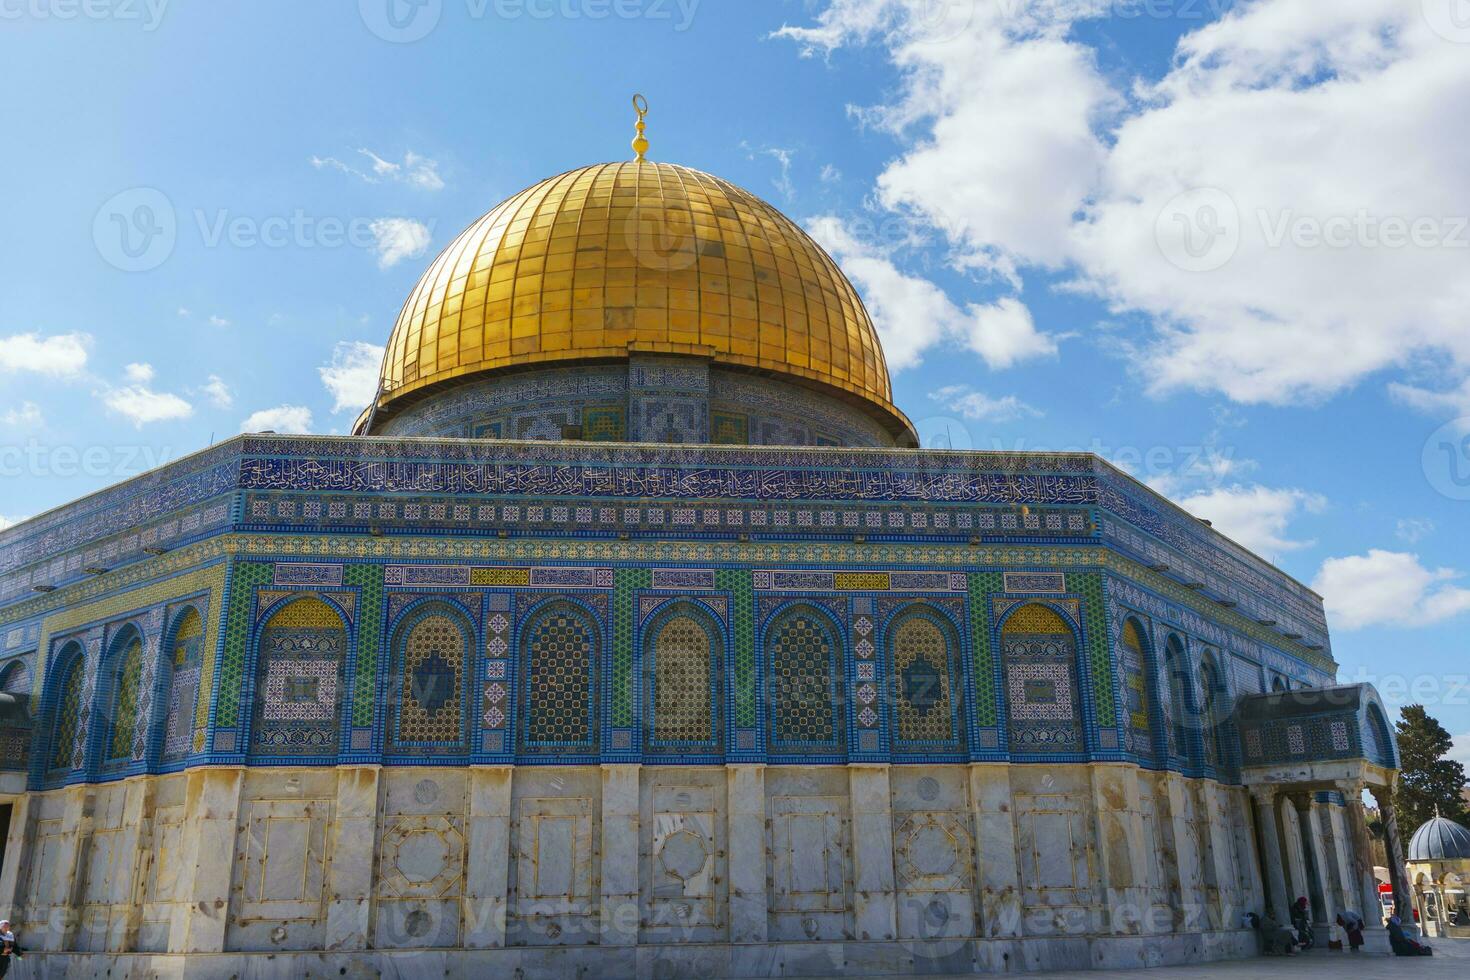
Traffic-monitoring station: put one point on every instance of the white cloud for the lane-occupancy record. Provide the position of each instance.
(1388, 588)
(215, 320)
(981, 407)
(415, 170)
(1452, 401)
(27, 416)
(61, 356)
(184, 311)
(1031, 157)
(914, 314)
(285, 419)
(352, 375)
(1255, 516)
(139, 373)
(1413, 529)
(142, 405)
(397, 239)
(830, 174)
(218, 392)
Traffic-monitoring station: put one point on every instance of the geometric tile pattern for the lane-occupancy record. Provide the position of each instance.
(737, 581)
(1094, 619)
(684, 654)
(1044, 711)
(68, 715)
(183, 685)
(805, 678)
(125, 702)
(924, 668)
(560, 659)
(367, 578)
(301, 658)
(982, 586)
(244, 577)
(626, 581)
(433, 650)
(1134, 666)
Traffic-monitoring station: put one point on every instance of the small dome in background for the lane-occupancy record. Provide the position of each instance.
(1440, 840)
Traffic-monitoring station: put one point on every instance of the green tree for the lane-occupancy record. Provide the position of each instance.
(1427, 780)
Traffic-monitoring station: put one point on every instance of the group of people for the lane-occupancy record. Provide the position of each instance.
(1287, 940)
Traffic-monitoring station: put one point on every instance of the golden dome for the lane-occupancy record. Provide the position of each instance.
(636, 257)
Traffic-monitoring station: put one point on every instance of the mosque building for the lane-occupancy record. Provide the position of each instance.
(631, 634)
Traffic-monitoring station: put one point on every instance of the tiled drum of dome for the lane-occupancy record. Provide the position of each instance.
(560, 657)
(299, 669)
(685, 658)
(924, 670)
(1042, 695)
(804, 669)
(430, 684)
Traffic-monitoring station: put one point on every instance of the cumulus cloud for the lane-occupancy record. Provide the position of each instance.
(1257, 517)
(218, 393)
(1389, 588)
(913, 314)
(141, 405)
(285, 419)
(981, 407)
(1284, 205)
(352, 375)
(415, 170)
(26, 416)
(139, 373)
(59, 356)
(396, 239)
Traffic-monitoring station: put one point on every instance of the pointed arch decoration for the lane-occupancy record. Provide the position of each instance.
(928, 705)
(301, 656)
(1183, 709)
(683, 657)
(182, 662)
(431, 649)
(561, 647)
(1135, 661)
(124, 687)
(805, 691)
(1043, 694)
(63, 754)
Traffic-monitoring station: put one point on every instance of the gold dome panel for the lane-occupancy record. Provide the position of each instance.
(636, 257)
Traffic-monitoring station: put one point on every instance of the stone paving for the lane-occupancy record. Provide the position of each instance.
(1451, 959)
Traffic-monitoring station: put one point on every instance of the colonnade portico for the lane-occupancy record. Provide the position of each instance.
(1316, 847)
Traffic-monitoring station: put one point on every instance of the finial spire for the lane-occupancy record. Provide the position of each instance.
(640, 142)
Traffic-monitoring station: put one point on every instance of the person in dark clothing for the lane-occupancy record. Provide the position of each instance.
(1276, 938)
(1301, 921)
(1352, 924)
(1402, 943)
(9, 948)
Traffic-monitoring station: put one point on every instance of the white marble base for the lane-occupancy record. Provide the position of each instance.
(676, 961)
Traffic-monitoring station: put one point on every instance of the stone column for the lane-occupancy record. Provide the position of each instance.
(1186, 856)
(131, 846)
(1348, 896)
(1393, 844)
(621, 896)
(487, 878)
(746, 834)
(997, 871)
(1120, 847)
(875, 901)
(353, 836)
(207, 849)
(1361, 857)
(1266, 812)
(1296, 862)
(1311, 815)
(18, 841)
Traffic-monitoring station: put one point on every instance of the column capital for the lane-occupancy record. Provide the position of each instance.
(1265, 795)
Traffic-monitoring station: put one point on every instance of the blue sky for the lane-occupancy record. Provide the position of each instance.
(1223, 244)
